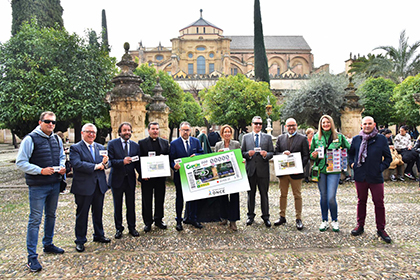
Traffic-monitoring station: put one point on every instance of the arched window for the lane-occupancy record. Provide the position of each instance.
(201, 65)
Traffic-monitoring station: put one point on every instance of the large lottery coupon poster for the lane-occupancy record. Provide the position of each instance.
(213, 175)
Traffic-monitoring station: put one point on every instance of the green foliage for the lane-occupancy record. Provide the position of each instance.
(48, 13)
(260, 56)
(407, 111)
(376, 95)
(322, 94)
(373, 66)
(50, 69)
(235, 100)
(405, 61)
(182, 105)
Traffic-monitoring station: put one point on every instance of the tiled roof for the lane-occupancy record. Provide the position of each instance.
(270, 42)
(202, 22)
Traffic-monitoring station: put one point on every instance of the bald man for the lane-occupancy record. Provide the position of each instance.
(369, 156)
(288, 143)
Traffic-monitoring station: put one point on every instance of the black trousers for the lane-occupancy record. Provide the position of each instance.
(130, 198)
(191, 206)
(230, 207)
(83, 202)
(153, 187)
(262, 183)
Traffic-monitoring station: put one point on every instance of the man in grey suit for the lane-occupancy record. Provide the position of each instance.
(292, 142)
(257, 149)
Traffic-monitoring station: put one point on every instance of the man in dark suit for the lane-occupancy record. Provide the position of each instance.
(122, 178)
(292, 142)
(89, 185)
(153, 146)
(257, 150)
(184, 146)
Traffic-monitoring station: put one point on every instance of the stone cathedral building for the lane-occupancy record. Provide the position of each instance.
(203, 52)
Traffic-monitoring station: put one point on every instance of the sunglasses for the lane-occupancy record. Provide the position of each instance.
(49, 121)
(257, 123)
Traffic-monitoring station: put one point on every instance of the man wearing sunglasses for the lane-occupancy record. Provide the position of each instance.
(257, 150)
(41, 157)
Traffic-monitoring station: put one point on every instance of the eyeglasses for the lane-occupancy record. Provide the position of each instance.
(186, 130)
(89, 132)
(257, 123)
(290, 125)
(49, 121)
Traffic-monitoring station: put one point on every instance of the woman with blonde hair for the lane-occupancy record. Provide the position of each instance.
(230, 203)
(327, 138)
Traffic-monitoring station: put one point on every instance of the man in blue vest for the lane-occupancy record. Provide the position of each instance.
(41, 157)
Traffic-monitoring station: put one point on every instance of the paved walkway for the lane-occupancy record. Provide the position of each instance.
(253, 252)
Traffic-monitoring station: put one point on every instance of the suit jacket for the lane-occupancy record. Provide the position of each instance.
(177, 150)
(299, 144)
(85, 177)
(116, 155)
(256, 163)
(146, 146)
(377, 160)
(233, 144)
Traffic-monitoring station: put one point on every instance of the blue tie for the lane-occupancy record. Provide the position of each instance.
(92, 152)
(257, 142)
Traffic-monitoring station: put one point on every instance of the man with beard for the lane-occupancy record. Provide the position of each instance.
(184, 146)
(153, 146)
(122, 178)
(292, 142)
(369, 156)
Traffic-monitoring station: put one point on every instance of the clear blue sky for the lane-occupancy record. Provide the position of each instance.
(332, 29)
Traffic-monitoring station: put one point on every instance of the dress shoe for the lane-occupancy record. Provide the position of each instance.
(101, 239)
(233, 226)
(385, 237)
(299, 224)
(134, 233)
(357, 231)
(161, 225)
(197, 225)
(249, 221)
(147, 228)
(80, 248)
(118, 234)
(280, 221)
(179, 226)
(267, 223)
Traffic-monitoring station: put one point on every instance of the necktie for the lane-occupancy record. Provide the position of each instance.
(126, 148)
(188, 147)
(92, 152)
(257, 142)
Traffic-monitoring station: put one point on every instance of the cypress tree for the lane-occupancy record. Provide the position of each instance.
(46, 12)
(260, 57)
(105, 44)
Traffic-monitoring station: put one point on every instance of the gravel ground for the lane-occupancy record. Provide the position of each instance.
(253, 252)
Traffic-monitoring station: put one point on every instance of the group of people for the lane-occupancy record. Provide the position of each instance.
(41, 157)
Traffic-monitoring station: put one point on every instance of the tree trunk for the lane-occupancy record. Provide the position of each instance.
(77, 124)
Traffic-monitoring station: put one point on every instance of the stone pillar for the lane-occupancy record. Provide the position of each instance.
(159, 111)
(351, 113)
(127, 100)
